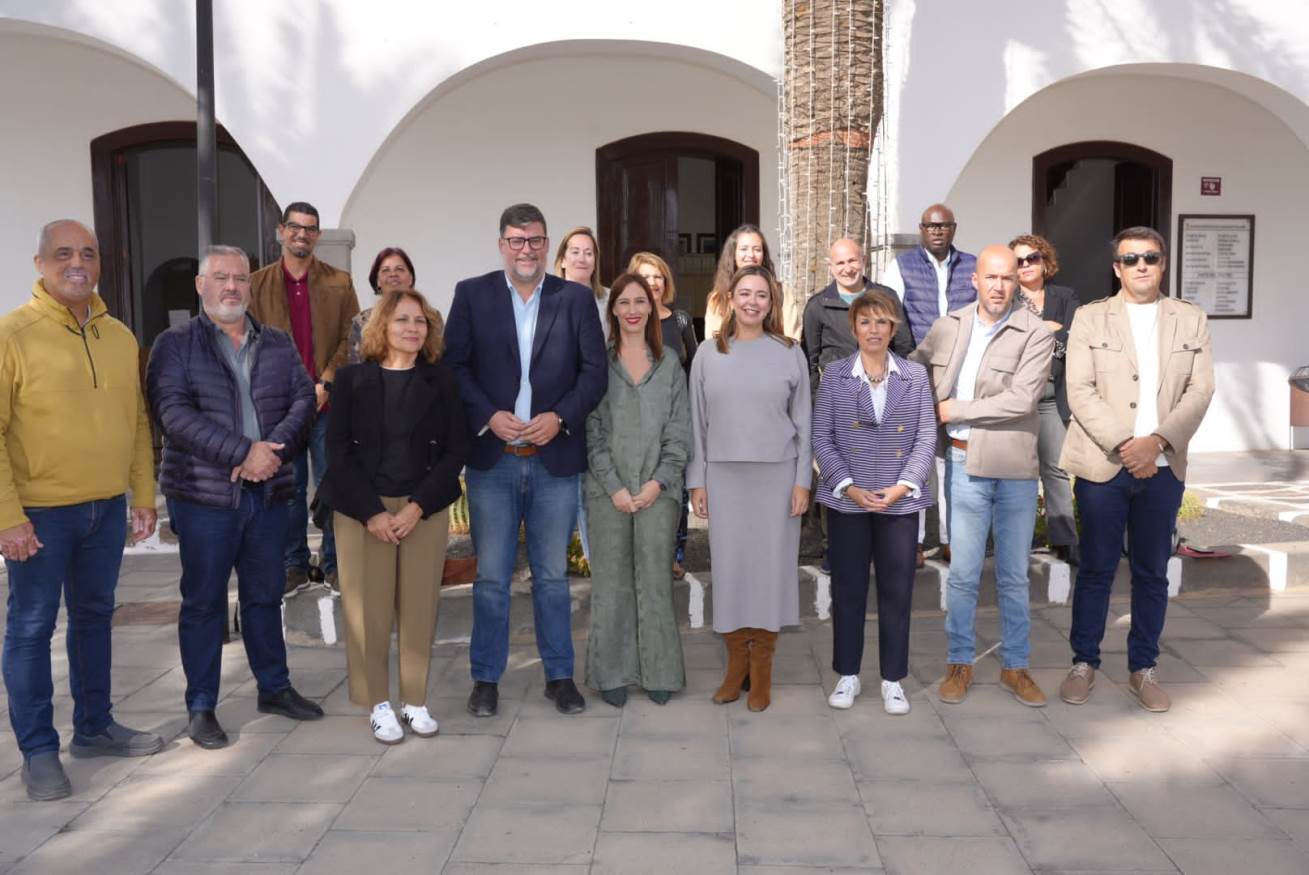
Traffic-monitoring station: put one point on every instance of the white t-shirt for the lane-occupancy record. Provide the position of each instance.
(1144, 319)
(965, 386)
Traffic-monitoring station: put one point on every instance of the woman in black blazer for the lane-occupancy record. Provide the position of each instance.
(397, 441)
(1037, 262)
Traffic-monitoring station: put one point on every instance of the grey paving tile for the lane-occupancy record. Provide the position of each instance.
(1222, 856)
(400, 804)
(514, 869)
(332, 735)
(805, 870)
(1050, 785)
(933, 760)
(1271, 783)
(239, 758)
(144, 802)
(1098, 837)
(455, 720)
(1143, 758)
(626, 853)
(1220, 652)
(989, 739)
(668, 807)
(782, 779)
(91, 778)
(685, 758)
(342, 853)
(558, 737)
(915, 808)
(811, 834)
(535, 834)
(77, 851)
(304, 778)
(643, 718)
(1193, 812)
(239, 832)
(1294, 822)
(444, 758)
(198, 867)
(240, 714)
(977, 856)
(24, 826)
(769, 735)
(548, 780)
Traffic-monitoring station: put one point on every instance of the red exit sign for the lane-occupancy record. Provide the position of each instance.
(1211, 186)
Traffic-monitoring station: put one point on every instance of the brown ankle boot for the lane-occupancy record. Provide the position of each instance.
(738, 665)
(761, 669)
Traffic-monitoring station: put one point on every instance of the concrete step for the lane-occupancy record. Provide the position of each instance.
(313, 617)
(1286, 502)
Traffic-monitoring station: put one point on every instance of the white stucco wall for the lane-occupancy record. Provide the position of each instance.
(527, 131)
(55, 98)
(1206, 130)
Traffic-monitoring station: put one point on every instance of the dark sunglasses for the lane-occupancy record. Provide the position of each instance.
(1131, 258)
(1029, 258)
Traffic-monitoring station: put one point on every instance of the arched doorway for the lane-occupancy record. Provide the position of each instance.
(144, 188)
(1084, 193)
(678, 195)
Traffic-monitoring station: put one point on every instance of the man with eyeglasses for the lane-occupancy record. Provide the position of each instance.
(234, 404)
(1140, 377)
(313, 302)
(932, 280)
(530, 356)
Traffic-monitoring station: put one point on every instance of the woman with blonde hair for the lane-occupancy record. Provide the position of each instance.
(750, 460)
(577, 260)
(397, 442)
(678, 334)
(744, 247)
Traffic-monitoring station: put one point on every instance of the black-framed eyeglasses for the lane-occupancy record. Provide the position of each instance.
(1029, 258)
(295, 227)
(937, 226)
(536, 244)
(1131, 258)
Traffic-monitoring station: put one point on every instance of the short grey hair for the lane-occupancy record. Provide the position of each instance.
(219, 250)
(43, 239)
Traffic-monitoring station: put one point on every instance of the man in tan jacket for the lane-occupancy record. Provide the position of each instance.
(1140, 376)
(314, 303)
(989, 362)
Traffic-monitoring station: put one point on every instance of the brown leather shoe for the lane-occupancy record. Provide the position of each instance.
(762, 643)
(1020, 683)
(1076, 688)
(945, 553)
(958, 678)
(920, 561)
(738, 665)
(1144, 684)
(678, 571)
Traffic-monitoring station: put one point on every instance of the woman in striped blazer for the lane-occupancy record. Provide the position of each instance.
(874, 435)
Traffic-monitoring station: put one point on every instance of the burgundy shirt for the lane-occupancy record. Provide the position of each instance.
(302, 323)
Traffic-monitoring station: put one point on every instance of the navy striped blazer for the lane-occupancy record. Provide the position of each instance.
(849, 442)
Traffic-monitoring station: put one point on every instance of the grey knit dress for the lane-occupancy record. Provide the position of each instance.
(750, 419)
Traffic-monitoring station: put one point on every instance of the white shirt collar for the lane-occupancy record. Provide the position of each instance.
(858, 369)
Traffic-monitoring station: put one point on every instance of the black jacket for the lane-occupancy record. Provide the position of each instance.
(439, 441)
(1060, 304)
(193, 397)
(827, 337)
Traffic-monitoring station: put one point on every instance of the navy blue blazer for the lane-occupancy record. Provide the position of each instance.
(568, 371)
(849, 442)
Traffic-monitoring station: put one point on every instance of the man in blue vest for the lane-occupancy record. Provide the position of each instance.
(932, 280)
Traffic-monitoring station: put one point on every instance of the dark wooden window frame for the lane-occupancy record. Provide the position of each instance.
(683, 143)
(1110, 150)
(109, 191)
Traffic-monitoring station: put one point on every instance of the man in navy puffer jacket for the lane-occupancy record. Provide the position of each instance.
(234, 404)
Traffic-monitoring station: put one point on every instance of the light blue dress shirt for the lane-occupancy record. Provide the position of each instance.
(525, 315)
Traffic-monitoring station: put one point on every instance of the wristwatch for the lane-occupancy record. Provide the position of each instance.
(845, 490)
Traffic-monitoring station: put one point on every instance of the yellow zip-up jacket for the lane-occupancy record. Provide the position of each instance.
(72, 416)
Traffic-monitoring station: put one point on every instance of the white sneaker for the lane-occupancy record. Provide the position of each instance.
(386, 728)
(894, 699)
(846, 689)
(418, 720)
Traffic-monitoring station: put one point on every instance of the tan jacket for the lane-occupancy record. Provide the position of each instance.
(332, 304)
(1103, 384)
(1002, 418)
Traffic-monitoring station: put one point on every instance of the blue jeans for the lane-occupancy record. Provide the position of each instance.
(213, 541)
(978, 506)
(1146, 510)
(81, 552)
(519, 490)
(297, 533)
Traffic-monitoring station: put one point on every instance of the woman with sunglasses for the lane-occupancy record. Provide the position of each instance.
(1037, 262)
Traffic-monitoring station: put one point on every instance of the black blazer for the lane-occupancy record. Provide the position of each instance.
(439, 440)
(1060, 304)
(568, 368)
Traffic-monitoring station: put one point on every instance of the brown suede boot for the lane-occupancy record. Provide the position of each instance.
(958, 678)
(761, 669)
(738, 665)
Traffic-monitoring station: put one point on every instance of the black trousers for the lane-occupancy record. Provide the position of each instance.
(890, 543)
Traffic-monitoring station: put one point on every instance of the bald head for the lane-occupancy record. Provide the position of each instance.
(845, 260)
(995, 278)
(936, 229)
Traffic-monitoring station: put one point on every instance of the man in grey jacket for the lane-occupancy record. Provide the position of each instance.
(988, 363)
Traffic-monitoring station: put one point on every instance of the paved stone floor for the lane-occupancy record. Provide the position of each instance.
(1219, 784)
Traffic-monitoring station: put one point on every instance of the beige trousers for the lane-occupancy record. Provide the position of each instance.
(384, 586)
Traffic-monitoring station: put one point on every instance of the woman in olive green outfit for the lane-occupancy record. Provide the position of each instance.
(638, 441)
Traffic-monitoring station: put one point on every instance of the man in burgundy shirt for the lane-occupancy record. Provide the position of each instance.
(314, 302)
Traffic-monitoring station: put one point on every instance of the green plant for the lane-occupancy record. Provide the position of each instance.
(459, 524)
(577, 563)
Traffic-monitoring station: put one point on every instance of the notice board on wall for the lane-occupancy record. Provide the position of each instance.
(1215, 264)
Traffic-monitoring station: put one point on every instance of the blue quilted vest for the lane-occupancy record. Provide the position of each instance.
(920, 290)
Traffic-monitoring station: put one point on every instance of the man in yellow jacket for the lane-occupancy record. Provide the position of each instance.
(74, 440)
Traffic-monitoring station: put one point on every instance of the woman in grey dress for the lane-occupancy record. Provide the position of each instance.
(637, 441)
(750, 464)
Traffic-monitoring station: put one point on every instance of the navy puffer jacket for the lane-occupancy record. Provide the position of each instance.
(193, 398)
